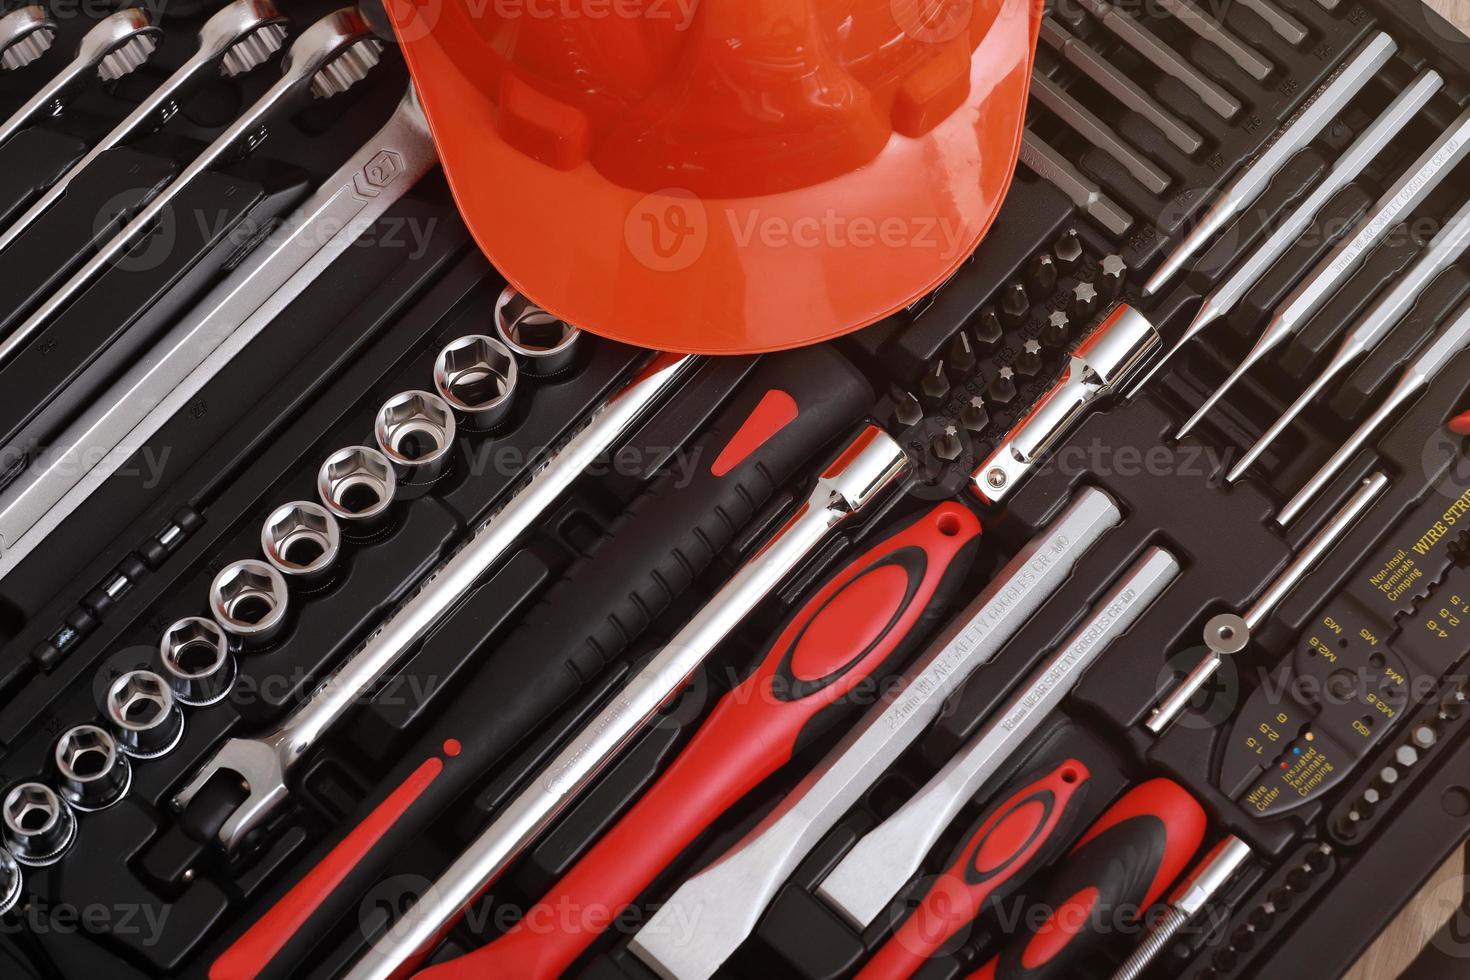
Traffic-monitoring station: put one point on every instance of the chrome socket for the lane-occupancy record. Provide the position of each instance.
(477, 376)
(197, 662)
(301, 540)
(11, 881)
(545, 344)
(39, 826)
(415, 430)
(248, 599)
(144, 717)
(92, 773)
(357, 485)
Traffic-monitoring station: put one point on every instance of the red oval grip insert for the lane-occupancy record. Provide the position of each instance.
(1013, 833)
(854, 619)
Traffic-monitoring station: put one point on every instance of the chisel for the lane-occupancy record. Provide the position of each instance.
(870, 467)
(791, 406)
(845, 634)
(1444, 251)
(1450, 343)
(1302, 128)
(879, 865)
(1412, 187)
(1121, 866)
(1348, 168)
(728, 898)
(1015, 838)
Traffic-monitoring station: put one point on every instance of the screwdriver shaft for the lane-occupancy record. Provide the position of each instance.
(1076, 115)
(1304, 126)
(1446, 249)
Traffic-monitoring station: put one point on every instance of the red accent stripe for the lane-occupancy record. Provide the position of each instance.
(775, 411)
(253, 951)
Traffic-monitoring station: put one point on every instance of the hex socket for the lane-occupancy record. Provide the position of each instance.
(92, 773)
(415, 430)
(357, 485)
(545, 343)
(477, 376)
(143, 715)
(301, 540)
(39, 826)
(197, 662)
(11, 881)
(248, 599)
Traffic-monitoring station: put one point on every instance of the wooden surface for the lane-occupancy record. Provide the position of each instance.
(1456, 10)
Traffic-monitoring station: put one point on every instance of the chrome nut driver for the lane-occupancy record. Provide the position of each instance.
(236, 40)
(117, 44)
(264, 763)
(327, 59)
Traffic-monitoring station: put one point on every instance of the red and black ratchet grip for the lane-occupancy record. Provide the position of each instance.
(1022, 833)
(1121, 866)
(791, 407)
(861, 620)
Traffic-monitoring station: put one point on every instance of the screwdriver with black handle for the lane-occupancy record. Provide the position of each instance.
(1123, 863)
(864, 618)
(791, 407)
(1017, 836)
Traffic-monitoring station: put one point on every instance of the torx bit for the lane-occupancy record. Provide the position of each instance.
(1444, 251)
(989, 331)
(1058, 330)
(1028, 362)
(1452, 341)
(1121, 87)
(934, 388)
(974, 416)
(1416, 184)
(1041, 276)
(1252, 62)
(1304, 127)
(1047, 163)
(1014, 305)
(946, 445)
(1002, 388)
(1087, 124)
(1068, 250)
(962, 360)
(1113, 270)
(1165, 58)
(1373, 141)
(1083, 303)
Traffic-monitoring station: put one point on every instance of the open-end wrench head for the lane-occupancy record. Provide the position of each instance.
(333, 54)
(119, 43)
(25, 34)
(243, 35)
(256, 763)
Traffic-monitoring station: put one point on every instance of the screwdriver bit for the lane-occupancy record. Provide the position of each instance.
(1028, 362)
(989, 332)
(946, 446)
(973, 416)
(1068, 252)
(1058, 330)
(906, 409)
(1110, 279)
(1002, 388)
(1084, 301)
(1014, 305)
(934, 388)
(1041, 276)
(962, 359)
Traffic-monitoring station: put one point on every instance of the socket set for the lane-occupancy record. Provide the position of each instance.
(358, 616)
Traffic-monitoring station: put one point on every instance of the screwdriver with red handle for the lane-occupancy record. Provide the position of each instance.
(857, 624)
(1122, 864)
(1016, 837)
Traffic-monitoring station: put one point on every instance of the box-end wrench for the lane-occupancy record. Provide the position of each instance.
(1047, 163)
(1348, 168)
(1121, 87)
(236, 40)
(1164, 58)
(1252, 62)
(1450, 343)
(1444, 251)
(327, 59)
(182, 362)
(1416, 183)
(26, 33)
(723, 903)
(264, 764)
(1302, 128)
(1102, 364)
(878, 866)
(871, 467)
(1228, 634)
(1086, 122)
(116, 45)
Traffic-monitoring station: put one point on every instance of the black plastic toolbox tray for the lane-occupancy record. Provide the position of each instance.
(31, 161)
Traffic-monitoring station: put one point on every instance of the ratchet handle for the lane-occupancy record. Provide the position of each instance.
(847, 631)
(1023, 832)
(1122, 864)
(791, 407)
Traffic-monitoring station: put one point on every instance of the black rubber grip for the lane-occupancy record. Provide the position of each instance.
(793, 406)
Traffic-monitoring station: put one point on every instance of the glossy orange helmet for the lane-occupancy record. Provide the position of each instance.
(724, 176)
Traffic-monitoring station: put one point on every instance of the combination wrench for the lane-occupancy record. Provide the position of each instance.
(26, 33)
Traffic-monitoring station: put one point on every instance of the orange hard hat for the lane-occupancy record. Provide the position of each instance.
(724, 176)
